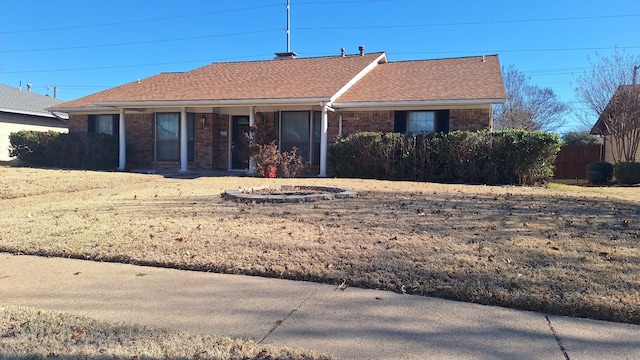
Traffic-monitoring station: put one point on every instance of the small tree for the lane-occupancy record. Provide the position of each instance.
(621, 122)
(528, 107)
(596, 86)
(580, 138)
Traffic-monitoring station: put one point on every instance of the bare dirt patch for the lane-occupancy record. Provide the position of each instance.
(562, 250)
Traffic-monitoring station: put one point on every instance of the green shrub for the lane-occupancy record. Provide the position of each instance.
(72, 151)
(604, 168)
(505, 157)
(596, 177)
(32, 147)
(627, 173)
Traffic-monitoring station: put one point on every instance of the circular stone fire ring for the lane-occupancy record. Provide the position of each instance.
(287, 193)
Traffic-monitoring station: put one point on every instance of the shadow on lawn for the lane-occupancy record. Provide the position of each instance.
(561, 255)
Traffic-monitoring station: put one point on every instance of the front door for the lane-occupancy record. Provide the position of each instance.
(239, 142)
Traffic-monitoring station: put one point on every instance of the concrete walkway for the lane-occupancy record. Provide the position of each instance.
(350, 324)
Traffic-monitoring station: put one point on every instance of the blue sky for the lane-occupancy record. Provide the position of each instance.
(82, 47)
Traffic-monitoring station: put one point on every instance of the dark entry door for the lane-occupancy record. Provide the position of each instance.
(239, 142)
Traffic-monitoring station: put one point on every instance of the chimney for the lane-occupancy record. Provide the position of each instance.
(361, 48)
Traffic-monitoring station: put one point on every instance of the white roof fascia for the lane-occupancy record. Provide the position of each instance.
(360, 75)
(209, 103)
(27, 112)
(82, 109)
(397, 105)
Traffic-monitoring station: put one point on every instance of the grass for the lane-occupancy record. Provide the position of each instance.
(27, 333)
(565, 249)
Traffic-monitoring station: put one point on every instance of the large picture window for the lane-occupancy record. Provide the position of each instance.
(302, 130)
(167, 137)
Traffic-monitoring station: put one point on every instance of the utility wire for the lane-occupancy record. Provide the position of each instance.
(136, 21)
(470, 23)
(139, 42)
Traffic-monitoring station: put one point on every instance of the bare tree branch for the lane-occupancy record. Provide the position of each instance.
(621, 120)
(528, 107)
(596, 86)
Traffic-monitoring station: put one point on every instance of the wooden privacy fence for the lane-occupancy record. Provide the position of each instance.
(573, 160)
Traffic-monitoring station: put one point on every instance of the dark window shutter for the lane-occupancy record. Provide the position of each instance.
(442, 121)
(91, 125)
(116, 125)
(400, 122)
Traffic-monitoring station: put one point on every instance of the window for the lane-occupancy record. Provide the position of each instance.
(167, 137)
(103, 124)
(420, 121)
(302, 130)
(414, 122)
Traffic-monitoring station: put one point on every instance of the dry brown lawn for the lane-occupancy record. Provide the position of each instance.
(565, 249)
(31, 334)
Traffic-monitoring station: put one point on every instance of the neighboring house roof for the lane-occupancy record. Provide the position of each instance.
(599, 127)
(469, 78)
(16, 101)
(354, 80)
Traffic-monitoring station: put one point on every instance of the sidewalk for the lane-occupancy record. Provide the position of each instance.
(350, 324)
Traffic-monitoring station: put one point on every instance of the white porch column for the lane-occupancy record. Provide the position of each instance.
(252, 121)
(323, 142)
(183, 140)
(122, 142)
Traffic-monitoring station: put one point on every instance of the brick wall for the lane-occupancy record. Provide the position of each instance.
(469, 119)
(204, 142)
(356, 121)
(220, 144)
(78, 123)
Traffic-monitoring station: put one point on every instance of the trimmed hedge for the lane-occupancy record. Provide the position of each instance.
(70, 151)
(627, 173)
(503, 157)
(599, 172)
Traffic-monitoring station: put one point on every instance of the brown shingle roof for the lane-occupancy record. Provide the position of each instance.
(299, 78)
(468, 78)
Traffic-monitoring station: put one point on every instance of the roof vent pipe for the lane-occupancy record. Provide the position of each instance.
(29, 87)
(342, 52)
(361, 48)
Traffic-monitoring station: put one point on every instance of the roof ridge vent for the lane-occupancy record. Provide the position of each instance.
(285, 55)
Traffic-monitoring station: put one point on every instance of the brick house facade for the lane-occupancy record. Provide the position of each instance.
(180, 121)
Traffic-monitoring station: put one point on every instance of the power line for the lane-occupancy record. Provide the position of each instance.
(136, 21)
(140, 42)
(134, 65)
(471, 23)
